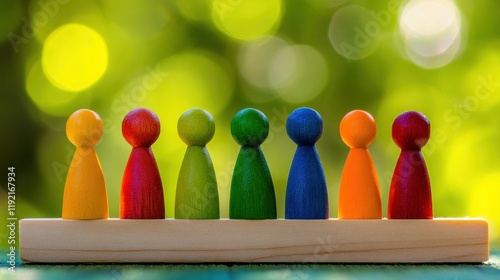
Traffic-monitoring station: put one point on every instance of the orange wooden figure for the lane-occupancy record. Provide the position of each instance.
(85, 196)
(359, 194)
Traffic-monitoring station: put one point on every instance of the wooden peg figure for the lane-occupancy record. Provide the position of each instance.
(85, 196)
(197, 196)
(410, 193)
(141, 194)
(359, 194)
(252, 190)
(306, 192)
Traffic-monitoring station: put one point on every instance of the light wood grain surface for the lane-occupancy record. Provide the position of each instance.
(289, 241)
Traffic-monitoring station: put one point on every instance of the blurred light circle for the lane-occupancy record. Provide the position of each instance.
(74, 57)
(246, 19)
(254, 59)
(45, 16)
(298, 73)
(435, 61)
(354, 33)
(192, 79)
(284, 68)
(430, 26)
(48, 98)
(431, 32)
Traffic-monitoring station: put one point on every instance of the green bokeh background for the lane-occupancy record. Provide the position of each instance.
(225, 55)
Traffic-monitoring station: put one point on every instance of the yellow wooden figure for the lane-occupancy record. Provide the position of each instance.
(85, 196)
(359, 194)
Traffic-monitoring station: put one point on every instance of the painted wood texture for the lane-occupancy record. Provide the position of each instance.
(252, 190)
(306, 191)
(196, 194)
(261, 241)
(85, 195)
(141, 194)
(359, 192)
(410, 192)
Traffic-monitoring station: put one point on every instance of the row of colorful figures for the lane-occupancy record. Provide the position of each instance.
(252, 193)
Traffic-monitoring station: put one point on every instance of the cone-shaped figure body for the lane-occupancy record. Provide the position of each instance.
(359, 194)
(141, 195)
(306, 192)
(410, 194)
(85, 196)
(252, 190)
(196, 196)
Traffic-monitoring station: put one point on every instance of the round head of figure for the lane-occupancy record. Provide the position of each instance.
(304, 126)
(84, 128)
(411, 130)
(141, 127)
(249, 127)
(196, 127)
(358, 129)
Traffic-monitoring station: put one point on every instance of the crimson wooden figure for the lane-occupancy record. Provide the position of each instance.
(410, 193)
(142, 192)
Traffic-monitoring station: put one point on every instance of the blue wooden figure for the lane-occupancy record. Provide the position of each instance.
(306, 192)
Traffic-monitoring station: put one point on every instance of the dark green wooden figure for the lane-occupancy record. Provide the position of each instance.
(197, 196)
(252, 191)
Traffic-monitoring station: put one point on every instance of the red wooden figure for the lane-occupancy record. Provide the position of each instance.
(410, 193)
(142, 192)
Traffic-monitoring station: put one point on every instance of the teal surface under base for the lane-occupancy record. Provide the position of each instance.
(489, 270)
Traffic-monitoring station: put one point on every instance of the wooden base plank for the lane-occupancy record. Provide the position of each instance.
(250, 241)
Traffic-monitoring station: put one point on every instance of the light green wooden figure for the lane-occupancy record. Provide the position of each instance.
(197, 196)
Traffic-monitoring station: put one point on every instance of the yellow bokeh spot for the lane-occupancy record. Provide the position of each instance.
(246, 19)
(481, 82)
(190, 79)
(74, 57)
(49, 98)
(468, 156)
(484, 202)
